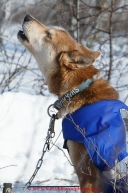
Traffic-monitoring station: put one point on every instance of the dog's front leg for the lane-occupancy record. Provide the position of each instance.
(87, 173)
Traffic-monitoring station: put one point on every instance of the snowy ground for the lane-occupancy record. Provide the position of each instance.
(23, 127)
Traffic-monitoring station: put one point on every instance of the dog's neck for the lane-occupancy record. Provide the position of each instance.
(99, 90)
(72, 93)
(67, 80)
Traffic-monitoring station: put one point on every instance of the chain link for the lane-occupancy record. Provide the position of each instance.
(46, 147)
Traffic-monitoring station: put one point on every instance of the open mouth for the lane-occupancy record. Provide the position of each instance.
(22, 35)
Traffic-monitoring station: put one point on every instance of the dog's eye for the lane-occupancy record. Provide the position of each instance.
(49, 35)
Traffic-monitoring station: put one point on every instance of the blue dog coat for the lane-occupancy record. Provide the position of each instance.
(101, 129)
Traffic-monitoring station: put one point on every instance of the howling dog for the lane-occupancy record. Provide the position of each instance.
(93, 129)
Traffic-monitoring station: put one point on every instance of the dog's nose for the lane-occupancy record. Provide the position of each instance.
(28, 18)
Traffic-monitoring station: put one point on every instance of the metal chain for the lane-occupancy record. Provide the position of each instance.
(46, 147)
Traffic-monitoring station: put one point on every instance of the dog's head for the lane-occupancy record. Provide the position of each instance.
(63, 61)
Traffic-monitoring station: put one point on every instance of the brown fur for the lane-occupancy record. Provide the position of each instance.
(65, 65)
(69, 79)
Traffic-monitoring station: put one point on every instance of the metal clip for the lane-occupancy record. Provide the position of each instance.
(51, 126)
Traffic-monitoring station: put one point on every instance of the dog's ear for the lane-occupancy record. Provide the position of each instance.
(78, 59)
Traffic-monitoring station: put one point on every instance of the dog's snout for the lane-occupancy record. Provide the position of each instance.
(28, 18)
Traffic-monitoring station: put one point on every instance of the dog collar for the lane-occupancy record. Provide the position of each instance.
(70, 94)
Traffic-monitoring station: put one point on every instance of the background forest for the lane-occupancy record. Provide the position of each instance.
(99, 25)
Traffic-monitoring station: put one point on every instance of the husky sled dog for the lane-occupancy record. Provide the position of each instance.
(93, 128)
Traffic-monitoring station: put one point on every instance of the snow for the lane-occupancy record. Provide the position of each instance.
(23, 128)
